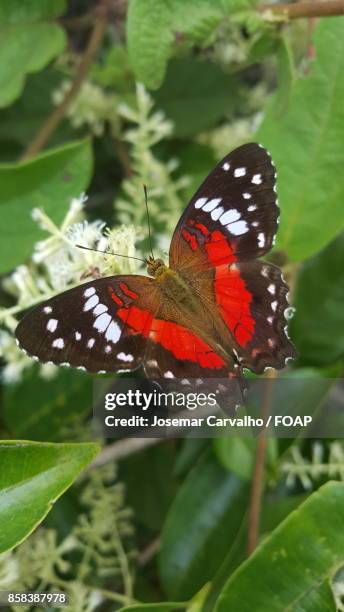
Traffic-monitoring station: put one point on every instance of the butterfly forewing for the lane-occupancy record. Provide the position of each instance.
(233, 215)
(87, 327)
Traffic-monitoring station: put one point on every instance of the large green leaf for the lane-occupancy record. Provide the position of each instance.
(153, 26)
(29, 39)
(196, 94)
(48, 181)
(292, 568)
(39, 409)
(200, 527)
(274, 510)
(307, 147)
(318, 327)
(32, 476)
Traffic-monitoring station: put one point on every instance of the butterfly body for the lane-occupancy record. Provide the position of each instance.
(215, 309)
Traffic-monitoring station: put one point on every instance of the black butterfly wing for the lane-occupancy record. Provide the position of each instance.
(100, 326)
(232, 216)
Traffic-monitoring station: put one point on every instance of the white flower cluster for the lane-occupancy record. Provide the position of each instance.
(149, 128)
(92, 106)
(58, 264)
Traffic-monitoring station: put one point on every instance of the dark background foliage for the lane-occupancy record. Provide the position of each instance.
(72, 119)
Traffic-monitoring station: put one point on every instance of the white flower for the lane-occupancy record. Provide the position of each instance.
(57, 264)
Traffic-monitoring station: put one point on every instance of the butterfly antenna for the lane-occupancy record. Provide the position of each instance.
(148, 219)
(80, 246)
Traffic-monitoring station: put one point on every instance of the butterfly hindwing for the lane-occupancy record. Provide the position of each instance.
(87, 327)
(252, 299)
(233, 215)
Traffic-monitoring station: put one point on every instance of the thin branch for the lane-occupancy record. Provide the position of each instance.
(122, 449)
(53, 121)
(148, 553)
(258, 469)
(286, 11)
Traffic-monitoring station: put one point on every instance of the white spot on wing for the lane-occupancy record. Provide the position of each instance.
(274, 305)
(168, 374)
(90, 343)
(230, 216)
(246, 196)
(52, 325)
(257, 179)
(91, 302)
(89, 291)
(58, 343)
(113, 332)
(289, 312)
(215, 214)
(261, 240)
(252, 208)
(125, 356)
(238, 228)
(77, 336)
(272, 289)
(47, 309)
(108, 348)
(270, 320)
(199, 203)
(239, 172)
(102, 322)
(98, 310)
(226, 166)
(211, 204)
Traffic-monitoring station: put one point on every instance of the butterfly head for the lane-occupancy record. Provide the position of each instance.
(155, 267)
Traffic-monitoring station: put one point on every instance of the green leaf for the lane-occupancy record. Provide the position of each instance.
(292, 568)
(236, 454)
(20, 122)
(33, 475)
(46, 410)
(286, 75)
(49, 181)
(28, 41)
(195, 95)
(318, 326)
(154, 607)
(274, 510)
(153, 26)
(307, 147)
(200, 527)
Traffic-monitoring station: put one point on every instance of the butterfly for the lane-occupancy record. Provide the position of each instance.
(216, 308)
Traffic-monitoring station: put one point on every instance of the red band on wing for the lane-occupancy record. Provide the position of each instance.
(192, 240)
(115, 297)
(182, 343)
(127, 291)
(219, 250)
(203, 229)
(234, 301)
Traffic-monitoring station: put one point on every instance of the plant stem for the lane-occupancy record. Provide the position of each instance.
(286, 11)
(121, 449)
(52, 122)
(258, 469)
